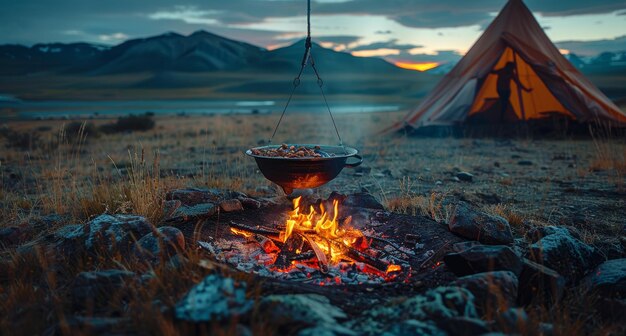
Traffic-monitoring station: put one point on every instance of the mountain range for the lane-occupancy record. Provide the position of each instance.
(171, 52)
(206, 65)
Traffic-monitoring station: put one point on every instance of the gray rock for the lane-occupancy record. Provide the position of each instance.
(491, 290)
(608, 279)
(414, 328)
(98, 287)
(105, 233)
(478, 225)
(214, 298)
(465, 245)
(164, 242)
(250, 203)
(195, 212)
(464, 176)
(435, 305)
(112, 232)
(313, 310)
(538, 282)
(565, 254)
(483, 258)
(538, 232)
(231, 205)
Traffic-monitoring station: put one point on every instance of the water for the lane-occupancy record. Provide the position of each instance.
(110, 109)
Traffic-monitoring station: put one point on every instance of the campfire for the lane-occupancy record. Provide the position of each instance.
(312, 243)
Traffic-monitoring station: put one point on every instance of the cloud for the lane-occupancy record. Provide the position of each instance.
(593, 48)
(187, 14)
(391, 44)
(115, 37)
(48, 20)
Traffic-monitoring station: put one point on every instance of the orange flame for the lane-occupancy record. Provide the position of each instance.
(325, 226)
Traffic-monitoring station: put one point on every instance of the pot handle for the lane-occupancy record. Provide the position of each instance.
(356, 164)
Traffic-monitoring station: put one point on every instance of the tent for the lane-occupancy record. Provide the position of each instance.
(512, 73)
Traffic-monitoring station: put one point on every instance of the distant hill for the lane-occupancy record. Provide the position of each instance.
(19, 59)
(288, 59)
(200, 65)
(198, 52)
(171, 52)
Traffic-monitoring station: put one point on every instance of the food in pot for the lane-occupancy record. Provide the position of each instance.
(293, 151)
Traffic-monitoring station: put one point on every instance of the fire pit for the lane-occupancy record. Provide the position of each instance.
(305, 172)
(313, 243)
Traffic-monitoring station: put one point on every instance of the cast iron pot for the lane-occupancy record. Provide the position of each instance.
(300, 173)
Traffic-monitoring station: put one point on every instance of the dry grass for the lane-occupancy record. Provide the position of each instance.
(83, 176)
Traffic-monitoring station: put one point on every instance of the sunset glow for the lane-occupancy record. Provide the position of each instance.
(417, 66)
(377, 52)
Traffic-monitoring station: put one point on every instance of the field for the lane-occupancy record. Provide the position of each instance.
(77, 173)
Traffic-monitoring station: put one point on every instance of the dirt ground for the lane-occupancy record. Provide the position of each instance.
(573, 182)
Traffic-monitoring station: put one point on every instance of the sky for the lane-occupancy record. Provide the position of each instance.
(401, 31)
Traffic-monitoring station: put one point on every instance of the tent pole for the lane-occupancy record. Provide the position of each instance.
(519, 88)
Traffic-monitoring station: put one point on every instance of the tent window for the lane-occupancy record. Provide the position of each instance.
(536, 104)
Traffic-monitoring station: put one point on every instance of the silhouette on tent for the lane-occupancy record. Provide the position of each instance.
(513, 73)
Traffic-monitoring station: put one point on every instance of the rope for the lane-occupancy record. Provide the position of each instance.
(296, 82)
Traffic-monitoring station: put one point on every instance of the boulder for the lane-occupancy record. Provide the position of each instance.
(608, 279)
(166, 241)
(483, 258)
(105, 233)
(115, 231)
(481, 226)
(565, 254)
(491, 290)
(312, 312)
(434, 306)
(250, 203)
(231, 205)
(538, 282)
(192, 213)
(214, 298)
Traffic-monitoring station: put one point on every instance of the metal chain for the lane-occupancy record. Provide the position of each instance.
(320, 83)
(296, 82)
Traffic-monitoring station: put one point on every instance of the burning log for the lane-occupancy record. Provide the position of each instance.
(321, 257)
(241, 228)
